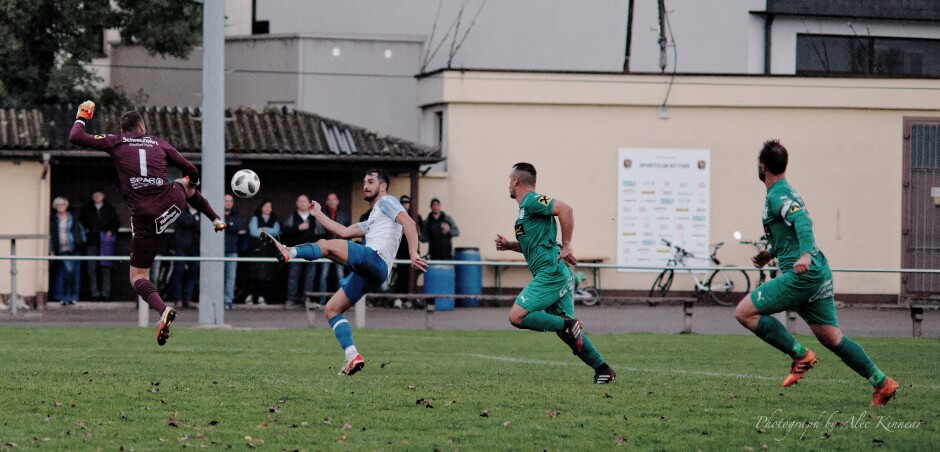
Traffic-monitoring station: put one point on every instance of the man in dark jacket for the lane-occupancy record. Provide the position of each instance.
(438, 230)
(233, 227)
(300, 227)
(185, 243)
(332, 211)
(100, 220)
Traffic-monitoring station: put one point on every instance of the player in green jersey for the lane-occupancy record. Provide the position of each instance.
(804, 284)
(546, 303)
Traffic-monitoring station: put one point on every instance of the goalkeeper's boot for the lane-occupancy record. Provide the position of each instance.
(885, 392)
(604, 374)
(354, 365)
(218, 225)
(799, 367)
(163, 331)
(282, 254)
(573, 336)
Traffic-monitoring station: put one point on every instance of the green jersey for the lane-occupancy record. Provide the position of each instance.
(788, 227)
(536, 232)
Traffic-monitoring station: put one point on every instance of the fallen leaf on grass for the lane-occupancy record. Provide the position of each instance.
(213, 423)
(426, 402)
(342, 439)
(122, 415)
(411, 387)
(274, 409)
(552, 414)
(326, 421)
(263, 425)
(507, 423)
(619, 440)
(172, 422)
(485, 413)
(201, 435)
(731, 396)
(347, 426)
(183, 438)
(663, 418)
(382, 366)
(57, 404)
(608, 396)
(80, 424)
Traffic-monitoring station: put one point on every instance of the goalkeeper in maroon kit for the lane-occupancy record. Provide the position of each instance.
(155, 203)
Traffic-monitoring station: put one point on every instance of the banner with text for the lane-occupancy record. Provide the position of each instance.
(662, 194)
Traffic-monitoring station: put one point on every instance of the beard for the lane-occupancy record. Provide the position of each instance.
(370, 198)
(762, 176)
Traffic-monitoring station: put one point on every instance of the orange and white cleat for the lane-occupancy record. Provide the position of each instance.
(354, 365)
(799, 367)
(282, 255)
(163, 331)
(885, 392)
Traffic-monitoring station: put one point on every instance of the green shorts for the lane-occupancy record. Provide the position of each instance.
(549, 291)
(809, 294)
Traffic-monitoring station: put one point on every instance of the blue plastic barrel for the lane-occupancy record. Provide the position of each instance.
(469, 277)
(439, 279)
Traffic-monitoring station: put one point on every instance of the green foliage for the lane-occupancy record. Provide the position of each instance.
(46, 45)
(88, 388)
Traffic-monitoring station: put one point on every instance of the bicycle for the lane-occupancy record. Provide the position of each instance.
(724, 287)
(762, 244)
(588, 295)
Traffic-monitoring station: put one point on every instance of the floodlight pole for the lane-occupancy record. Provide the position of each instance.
(211, 286)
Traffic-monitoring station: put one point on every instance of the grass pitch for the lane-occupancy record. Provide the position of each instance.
(89, 388)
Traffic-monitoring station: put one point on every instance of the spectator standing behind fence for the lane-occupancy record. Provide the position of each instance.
(100, 221)
(233, 227)
(66, 238)
(332, 211)
(300, 227)
(439, 230)
(403, 271)
(185, 243)
(264, 220)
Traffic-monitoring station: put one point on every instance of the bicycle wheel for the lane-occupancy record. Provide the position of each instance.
(727, 287)
(590, 296)
(660, 287)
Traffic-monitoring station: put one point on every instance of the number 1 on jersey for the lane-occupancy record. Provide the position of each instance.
(143, 162)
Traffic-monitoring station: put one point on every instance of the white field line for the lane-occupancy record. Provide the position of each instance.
(700, 373)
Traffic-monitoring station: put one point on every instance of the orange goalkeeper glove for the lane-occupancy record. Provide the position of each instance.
(85, 111)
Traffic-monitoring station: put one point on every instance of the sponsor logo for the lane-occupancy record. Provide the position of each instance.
(100, 136)
(520, 229)
(522, 213)
(167, 218)
(627, 234)
(667, 201)
(648, 192)
(142, 141)
(825, 291)
(544, 200)
(629, 192)
(144, 182)
(662, 209)
(682, 209)
(698, 217)
(629, 183)
(647, 242)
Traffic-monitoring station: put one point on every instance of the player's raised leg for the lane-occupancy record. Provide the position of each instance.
(194, 198)
(771, 331)
(336, 250)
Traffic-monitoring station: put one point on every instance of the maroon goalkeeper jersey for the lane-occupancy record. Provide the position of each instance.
(140, 160)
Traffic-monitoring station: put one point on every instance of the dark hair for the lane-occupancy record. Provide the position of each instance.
(774, 156)
(527, 176)
(380, 174)
(130, 120)
(258, 210)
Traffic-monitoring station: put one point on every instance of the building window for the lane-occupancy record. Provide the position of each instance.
(867, 55)
(439, 128)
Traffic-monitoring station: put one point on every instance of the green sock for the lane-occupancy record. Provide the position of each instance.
(855, 357)
(589, 354)
(543, 321)
(774, 333)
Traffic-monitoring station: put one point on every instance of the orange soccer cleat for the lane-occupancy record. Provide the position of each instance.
(885, 392)
(282, 255)
(163, 331)
(799, 367)
(354, 365)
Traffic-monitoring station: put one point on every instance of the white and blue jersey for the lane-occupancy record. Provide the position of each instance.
(371, 264)
(383, 233)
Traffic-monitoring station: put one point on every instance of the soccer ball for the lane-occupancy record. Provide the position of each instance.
(245, 183)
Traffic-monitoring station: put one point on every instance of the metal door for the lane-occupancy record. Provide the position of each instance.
(921, 204)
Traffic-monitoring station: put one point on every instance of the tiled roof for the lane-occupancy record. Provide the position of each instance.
(249, 134)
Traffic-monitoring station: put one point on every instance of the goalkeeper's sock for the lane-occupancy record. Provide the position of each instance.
(308, 251)
(855, 357)
(199, 203)
(343, 333)
(774, 333)
(542, 321)
(148, 292)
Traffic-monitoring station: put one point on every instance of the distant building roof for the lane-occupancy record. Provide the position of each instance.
(268, 134)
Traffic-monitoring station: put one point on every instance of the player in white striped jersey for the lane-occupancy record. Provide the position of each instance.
(369, 265)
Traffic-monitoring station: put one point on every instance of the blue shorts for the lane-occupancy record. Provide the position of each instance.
(367, 272)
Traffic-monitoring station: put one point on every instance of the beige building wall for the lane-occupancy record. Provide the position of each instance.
(844, 136)
(28, 190)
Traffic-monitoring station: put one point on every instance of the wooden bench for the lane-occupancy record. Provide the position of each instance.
(913, 303)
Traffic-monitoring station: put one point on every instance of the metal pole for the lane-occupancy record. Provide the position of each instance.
(13, 298)
(143, 313)
(361, 313)
(213, 158)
